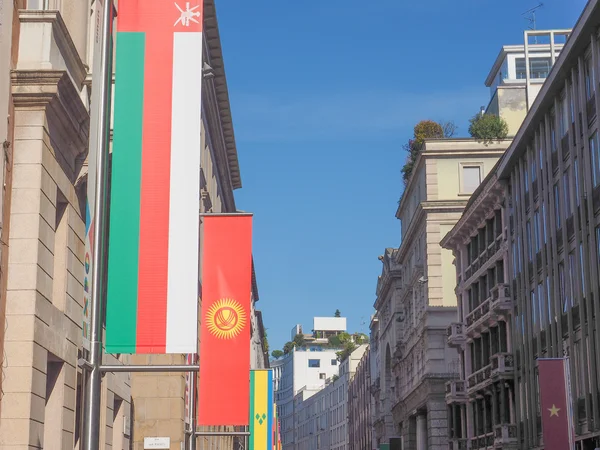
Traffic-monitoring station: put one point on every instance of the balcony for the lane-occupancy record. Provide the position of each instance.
(456, 335)
(505, 436)
(503, 365)
(501, 299)
(456, 391)
(457, 444)
(480, 379)
(482, 317)
(484, 441)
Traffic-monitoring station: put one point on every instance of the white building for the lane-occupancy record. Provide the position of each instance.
(305, 368)
(518, 73)
(321, 417)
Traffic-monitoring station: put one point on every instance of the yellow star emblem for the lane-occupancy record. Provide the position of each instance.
(554, 410)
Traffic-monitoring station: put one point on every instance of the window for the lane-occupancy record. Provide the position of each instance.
(533, 307)
(471, 178)
(589, 78)
(552, 122)
(576, 170)
(544, 220)
(548, 298)
(598, 244)
(536, 231)
(567, 191)
(538, 68)
(581, 269)
(314, 363)
(533, 166)
(334, 362)
(572, 278)
(322, 376)
(562, 288)
(595, 157)
(526, 173)
(564, 115)
(529, 250)
(557, 206)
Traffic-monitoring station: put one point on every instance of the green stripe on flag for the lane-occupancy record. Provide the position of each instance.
(121, 313)
(252, 410)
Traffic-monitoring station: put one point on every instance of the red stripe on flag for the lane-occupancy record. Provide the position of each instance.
(224, 387)
(153, 18)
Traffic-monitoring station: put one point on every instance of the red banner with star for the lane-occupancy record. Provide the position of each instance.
(556, 404)
(223, 383)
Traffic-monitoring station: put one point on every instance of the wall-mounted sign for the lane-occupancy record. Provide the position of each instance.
(157, 443)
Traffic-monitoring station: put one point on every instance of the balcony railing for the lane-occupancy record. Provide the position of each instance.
(456, 391)
(501, 299)
(477, 379)
(457, 444)
(484, 441)
(502, 364)
(479, 317)
(505, 435)
(456, 335)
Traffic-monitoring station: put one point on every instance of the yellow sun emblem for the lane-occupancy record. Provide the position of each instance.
(225, 318)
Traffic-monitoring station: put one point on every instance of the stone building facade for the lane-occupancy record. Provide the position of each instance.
(359, 405)
(415, 295)
(550, 178)
(48, 102)
(481, 402)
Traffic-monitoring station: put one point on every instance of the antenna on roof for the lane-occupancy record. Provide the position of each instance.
(530, 17)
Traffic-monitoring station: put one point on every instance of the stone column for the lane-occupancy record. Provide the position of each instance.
(503, 403)
(421, 431)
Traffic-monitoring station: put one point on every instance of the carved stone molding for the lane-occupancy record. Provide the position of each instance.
(67, 118)
(67, 58)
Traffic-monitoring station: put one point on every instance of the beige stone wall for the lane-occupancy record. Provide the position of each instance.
(43, 389)
(158, 402)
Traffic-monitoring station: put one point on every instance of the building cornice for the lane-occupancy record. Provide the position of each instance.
(53, 91)
(213, 40)
(61, 34)
(424, 208)
(450, 148)
(487, 196)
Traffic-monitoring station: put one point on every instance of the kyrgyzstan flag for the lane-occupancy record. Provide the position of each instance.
(555, 401)
(224, 379)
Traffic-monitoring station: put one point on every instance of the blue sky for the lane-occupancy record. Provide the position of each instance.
(324, 93)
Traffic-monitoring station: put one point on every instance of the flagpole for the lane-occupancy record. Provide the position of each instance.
(99, 146)
(192, 406)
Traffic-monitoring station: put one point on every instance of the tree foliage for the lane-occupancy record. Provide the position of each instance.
(488, 127)
(299, 340)
(277, 354)
(288, 347)
(337, 313)
(425, 129)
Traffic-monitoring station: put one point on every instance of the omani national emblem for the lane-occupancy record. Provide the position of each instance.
(226, 318)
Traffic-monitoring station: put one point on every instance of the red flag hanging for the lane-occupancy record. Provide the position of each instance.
(224, 386)
(556, 404)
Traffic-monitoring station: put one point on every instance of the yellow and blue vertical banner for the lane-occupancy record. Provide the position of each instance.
(274, 429)
(261, 410)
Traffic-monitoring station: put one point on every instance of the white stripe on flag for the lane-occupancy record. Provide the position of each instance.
(184, 206)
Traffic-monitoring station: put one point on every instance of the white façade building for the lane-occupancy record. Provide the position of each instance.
(305, 368)
(321, 415)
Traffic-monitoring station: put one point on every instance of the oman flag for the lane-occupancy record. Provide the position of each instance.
(155, 194)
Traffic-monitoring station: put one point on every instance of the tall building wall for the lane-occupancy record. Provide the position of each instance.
(43, 386)
(544, 193)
